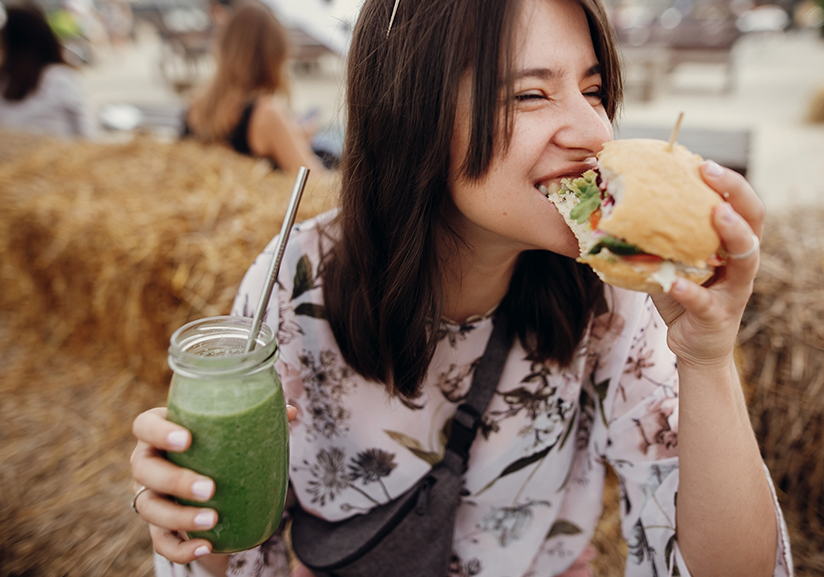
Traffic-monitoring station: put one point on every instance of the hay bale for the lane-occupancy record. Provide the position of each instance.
(782, 340)
(65, 445)
(127, 242)
(16, 144)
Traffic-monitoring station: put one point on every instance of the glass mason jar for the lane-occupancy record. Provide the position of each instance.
(233, 404)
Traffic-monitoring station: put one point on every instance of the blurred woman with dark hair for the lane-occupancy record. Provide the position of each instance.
(40, 91)
(238, 104)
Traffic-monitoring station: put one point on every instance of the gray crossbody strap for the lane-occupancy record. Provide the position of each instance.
(467, 418)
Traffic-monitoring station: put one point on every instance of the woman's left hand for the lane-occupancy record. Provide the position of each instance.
(703, 321)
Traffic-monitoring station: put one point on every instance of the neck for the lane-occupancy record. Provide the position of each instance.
(475, 281)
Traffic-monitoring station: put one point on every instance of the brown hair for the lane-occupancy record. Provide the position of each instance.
(28, 46)
(251, 61)
(383, 279)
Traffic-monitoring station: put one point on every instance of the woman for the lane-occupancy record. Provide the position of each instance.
(40, 91)
(239, 107)
(456, 116)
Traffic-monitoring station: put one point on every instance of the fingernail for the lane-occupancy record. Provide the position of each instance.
(201, 551)
(205, 519)
(177, 439)
(713, 168)
(728, 214)
(202, 489)
(679, 286)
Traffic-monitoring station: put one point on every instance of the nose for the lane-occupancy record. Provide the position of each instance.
(584, 128)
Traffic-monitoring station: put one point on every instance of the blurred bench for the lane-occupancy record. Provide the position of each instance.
(306, 51)
(656, 50)
(730, 148)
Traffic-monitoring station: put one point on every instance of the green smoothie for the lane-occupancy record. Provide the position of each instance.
(240, 439)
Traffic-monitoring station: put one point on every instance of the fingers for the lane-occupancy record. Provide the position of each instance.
(291, 412)
(167, 518)
(152, 428)
(159, 511)
(739, 241)
(172, 547)
(151, 469)
(737, 191)
(696, 299)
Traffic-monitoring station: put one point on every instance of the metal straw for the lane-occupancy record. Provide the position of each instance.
(285, 229)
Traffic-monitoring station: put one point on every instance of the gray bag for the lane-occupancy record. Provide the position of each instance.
(411, 535)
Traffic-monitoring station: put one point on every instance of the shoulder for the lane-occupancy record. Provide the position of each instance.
(268, 126)
(267, 112)
(299, 269)
(309, 241)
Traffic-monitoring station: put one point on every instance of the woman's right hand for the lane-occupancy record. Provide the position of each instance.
(166, 518)
(163, 479)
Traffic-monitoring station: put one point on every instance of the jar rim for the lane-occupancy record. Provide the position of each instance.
(219, 347)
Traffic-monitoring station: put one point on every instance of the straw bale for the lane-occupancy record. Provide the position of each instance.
(15, 144)
(64, 445)
(127, 242)
(782, 341)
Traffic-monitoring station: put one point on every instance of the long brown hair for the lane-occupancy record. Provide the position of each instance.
(251, 61)
(383, 279)
(29, 46)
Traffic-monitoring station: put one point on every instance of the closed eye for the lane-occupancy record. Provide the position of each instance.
(596, 94)
(527, 96)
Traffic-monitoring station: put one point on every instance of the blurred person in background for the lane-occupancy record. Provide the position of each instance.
(39, 91)
(243, 105)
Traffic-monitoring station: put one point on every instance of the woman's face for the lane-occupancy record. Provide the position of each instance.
(559, 123)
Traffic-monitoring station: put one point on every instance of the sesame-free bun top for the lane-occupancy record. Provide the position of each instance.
(665, 207)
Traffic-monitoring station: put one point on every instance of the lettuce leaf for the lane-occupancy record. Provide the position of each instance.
(586, 189)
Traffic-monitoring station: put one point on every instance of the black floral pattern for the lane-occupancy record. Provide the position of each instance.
(454, 383)
(640, 548)
(508, 524)
(371, 466)
(268, 559)
(326, 383)
(288, 328)
(452, 334)
(460, 568)
(544, 409)
(636, 365)
(329, 475)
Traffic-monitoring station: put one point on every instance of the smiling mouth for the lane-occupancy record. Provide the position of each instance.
(553, 185)
(547, 189)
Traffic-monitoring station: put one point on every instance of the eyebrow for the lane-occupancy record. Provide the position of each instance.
(549, 73)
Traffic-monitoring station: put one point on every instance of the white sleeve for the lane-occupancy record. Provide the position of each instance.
(74, 101)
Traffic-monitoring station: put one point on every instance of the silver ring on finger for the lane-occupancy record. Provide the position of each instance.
(756, 244)
(140, 491)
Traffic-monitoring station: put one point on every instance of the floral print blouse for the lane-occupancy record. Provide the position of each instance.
(536, 469)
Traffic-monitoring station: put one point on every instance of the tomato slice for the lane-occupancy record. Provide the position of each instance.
(716, 260)
(595, 218)
(643, 258)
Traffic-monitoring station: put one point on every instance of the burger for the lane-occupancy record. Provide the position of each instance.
(643, 217)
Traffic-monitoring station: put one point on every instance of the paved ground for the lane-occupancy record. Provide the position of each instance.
(776, 78)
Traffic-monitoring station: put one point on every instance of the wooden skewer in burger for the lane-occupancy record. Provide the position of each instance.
(643, 217)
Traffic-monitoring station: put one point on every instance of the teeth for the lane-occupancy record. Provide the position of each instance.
(544, 190)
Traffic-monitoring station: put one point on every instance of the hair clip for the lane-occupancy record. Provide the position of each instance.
(392, 19)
